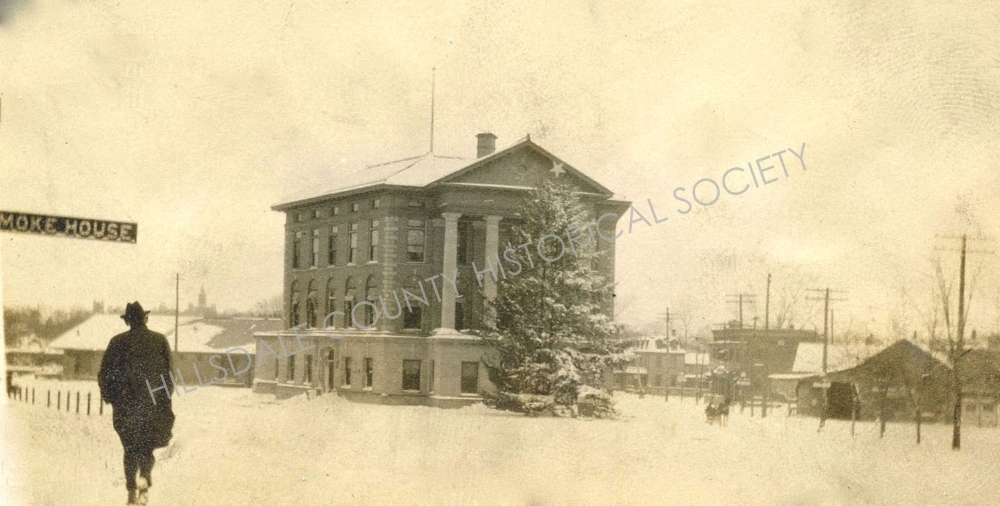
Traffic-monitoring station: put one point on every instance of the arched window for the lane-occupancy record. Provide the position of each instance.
(350, 295)
(371, 295)
(311, 304)
(331, 302)
(293, 305)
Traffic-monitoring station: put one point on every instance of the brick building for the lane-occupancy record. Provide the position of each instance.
(384, 244)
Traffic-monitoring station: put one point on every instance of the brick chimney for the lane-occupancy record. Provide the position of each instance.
(486, 144)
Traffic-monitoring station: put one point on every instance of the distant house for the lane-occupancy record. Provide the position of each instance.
(658, 364)
(980, 371)
(33, 356)
(83, 346)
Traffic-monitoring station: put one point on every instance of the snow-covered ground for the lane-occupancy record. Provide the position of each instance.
(234, 447)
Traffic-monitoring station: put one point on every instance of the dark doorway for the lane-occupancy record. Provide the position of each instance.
(840, 398)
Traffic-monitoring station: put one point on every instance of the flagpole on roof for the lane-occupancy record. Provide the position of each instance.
(433, 72)
(177, 308)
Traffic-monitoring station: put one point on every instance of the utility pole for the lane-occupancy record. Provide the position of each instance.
(666, 315)
(666, 381)
(740, 299)
(956, 436)
(767, 339)
(177, 309)
(827, 319)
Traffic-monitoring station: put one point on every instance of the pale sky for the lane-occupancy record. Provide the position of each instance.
(192, 119)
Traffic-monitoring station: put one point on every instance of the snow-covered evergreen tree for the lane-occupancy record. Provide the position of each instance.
(552, 340)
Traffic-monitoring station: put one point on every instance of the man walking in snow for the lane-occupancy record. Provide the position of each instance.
(143, 422)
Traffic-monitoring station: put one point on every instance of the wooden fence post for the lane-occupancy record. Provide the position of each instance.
(48, 398)
(78, 402)
(88, 403)
(59, 400)
(100, 407)
(32, 396)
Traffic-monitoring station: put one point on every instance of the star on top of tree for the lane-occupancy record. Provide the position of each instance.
(557, 168)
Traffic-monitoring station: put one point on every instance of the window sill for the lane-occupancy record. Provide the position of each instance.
(411, 392)
(370, 262)
(367, 389)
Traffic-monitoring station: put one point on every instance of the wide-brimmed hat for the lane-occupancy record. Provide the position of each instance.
(134, 312)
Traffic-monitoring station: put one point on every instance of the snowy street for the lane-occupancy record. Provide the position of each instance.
(234, 447)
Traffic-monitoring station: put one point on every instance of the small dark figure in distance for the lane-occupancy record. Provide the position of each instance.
(723, 410)
(712, 414)
(133, 361)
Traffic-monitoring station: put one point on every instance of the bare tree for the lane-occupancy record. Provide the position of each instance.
(790, 306)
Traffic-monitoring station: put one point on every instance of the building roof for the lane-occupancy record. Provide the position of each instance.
(95, 332)
(809, 358)
(899, 360)
(418, 172)
(195, 334)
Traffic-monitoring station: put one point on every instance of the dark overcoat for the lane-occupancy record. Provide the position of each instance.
(135, 365)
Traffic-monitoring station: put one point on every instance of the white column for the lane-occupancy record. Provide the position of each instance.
(492, 248)
(449, 264)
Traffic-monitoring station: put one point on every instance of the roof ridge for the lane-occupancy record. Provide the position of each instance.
(396, 161)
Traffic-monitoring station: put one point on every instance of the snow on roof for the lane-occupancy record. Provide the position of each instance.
(791, 376)
(633, 369)
(95, 332)
(418, 172)
(195, 334)
(809, 358)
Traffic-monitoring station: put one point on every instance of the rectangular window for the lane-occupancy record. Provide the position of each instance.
(373, 241)
(347, 371)
(369, 373)
(331, 247)
(316, 214)
(300, 217)
(352, 247)
(355, 207)
(309, 370)
(374, 204)
(414, 240)
(297, 250)
(411, 318)
(291, 369)
(336, 211)
(411, 375)
(470, 377)
(315, 248)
